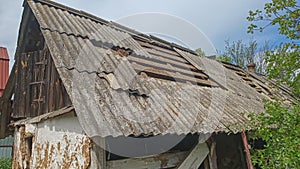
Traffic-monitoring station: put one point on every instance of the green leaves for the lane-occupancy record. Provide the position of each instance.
(284, 13)
(5, 163)
(240, 53)
(200, 52)
(279, 127)
(284, 65)
(224, 59)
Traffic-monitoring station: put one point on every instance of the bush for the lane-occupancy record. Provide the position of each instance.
(5, 163)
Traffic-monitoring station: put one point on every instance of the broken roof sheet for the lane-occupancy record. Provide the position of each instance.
(125, 83)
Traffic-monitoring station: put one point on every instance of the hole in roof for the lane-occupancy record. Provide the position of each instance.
(122, 51)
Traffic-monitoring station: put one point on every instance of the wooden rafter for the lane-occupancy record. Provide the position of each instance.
(196, 157)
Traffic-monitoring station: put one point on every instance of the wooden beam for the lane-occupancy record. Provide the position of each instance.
(206, 163)
(174, 62)
(212, 156)
(196, 157)
(5, 118)
(176, 58)
(141, 68)
(166, 160)
(158, 48)
(166, 67)
(5, 103)
(246, 149)
(98, 154)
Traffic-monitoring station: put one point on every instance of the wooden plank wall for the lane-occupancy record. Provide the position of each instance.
(38, 87)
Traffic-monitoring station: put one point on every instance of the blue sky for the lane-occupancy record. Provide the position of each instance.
(217, 20)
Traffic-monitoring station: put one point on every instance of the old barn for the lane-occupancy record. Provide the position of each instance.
(89, 93)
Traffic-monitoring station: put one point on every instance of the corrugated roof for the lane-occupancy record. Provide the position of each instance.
(122, 83)
(4, 68)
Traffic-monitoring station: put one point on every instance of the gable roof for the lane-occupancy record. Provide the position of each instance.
(122, 82)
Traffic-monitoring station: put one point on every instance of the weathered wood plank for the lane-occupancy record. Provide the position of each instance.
(5, 102)
(153, 46)
(212, 157)
(196, 157)
(176, 58)
(166, 160)
(98, 154)
(188, 56)
(51, 86)
(47, 63)
(167, 67)
(178, 76)
(159, 58)
(28, 81)
(6, 109)
(38, 89)
(16, 86)
(22, 82)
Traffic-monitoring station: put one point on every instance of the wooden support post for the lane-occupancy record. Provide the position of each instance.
(206, 163)
(165, 160)
(213, 155)
(5, 104)
(246, 149)
(196, 157)
(5, 117)
(98, 155)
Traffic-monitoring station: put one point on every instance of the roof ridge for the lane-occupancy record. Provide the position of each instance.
(73, 11)
(114, 25)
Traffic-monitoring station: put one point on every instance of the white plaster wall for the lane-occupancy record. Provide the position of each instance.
(57, 143)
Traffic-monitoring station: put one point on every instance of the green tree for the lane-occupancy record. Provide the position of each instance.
(224, 58)
(279, 126)
(200, 52)
(284, 62)
(240, 53)
(260, 57)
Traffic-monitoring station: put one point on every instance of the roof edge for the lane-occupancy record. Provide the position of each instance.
(73, 10)
(114, 25)
(44, 117)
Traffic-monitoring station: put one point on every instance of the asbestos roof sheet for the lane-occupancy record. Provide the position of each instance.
(121, 85)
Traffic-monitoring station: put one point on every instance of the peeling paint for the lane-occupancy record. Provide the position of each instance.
(55, 143)
(22, 151)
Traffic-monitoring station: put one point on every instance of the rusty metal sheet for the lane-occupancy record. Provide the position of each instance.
(4, 71)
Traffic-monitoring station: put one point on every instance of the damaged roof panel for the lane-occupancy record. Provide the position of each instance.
(123, 84)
